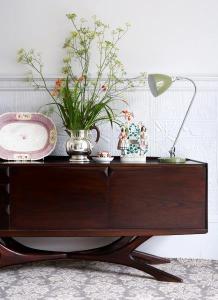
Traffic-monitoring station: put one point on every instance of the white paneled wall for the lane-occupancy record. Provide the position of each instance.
(162, 117)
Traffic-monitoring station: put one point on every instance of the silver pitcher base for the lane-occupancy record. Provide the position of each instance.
(79, 158)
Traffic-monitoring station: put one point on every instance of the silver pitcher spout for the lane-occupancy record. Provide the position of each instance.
(79, 146)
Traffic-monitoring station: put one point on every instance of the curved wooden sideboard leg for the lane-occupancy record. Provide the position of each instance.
(122, 251)
(149, 258)
(13, 253)
(156, 273)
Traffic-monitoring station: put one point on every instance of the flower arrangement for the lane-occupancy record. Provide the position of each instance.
(82, 101)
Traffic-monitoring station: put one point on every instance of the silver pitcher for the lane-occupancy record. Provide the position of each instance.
(79, 146)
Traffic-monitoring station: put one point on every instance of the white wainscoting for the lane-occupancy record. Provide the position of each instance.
(162, 116)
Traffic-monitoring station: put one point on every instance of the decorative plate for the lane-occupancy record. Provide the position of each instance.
(102, 159)
(26, 136)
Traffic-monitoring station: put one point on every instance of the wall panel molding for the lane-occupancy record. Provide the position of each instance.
(15, 82)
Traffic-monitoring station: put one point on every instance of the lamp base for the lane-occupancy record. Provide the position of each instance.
(172, 160)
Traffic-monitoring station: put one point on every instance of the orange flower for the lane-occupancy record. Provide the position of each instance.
(104, 88)
(58, 83)
(54, 93)
(81, 78)
(57, 87)
(125, 111)
(127, 115)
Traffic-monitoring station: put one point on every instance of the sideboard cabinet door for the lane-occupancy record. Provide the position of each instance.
(162, 197)
(58, 197)
(4, 198)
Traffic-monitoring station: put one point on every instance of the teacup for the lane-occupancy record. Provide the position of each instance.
(104, 154)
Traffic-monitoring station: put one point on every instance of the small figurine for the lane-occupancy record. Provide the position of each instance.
(133, 140)
(143, 140)
(123, 136)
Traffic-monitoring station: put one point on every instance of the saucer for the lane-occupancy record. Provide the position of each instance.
(102, 159)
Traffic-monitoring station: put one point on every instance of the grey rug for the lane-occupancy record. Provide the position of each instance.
(67, 280)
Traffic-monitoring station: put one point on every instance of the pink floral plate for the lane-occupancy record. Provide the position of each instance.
(26, 136)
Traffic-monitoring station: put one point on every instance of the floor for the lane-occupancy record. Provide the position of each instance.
(78, 280)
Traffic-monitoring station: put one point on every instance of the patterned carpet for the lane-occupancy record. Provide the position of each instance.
(67, 280)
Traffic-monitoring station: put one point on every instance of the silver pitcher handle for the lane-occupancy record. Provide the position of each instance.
(98, 132)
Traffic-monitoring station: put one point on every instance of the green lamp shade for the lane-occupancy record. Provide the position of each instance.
(159, 83)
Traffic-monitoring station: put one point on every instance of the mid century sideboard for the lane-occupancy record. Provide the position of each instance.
(130, 201)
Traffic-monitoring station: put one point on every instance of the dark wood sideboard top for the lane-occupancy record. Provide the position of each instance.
(64, 160)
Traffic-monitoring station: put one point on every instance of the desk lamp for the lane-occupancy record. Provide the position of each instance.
(158, 84)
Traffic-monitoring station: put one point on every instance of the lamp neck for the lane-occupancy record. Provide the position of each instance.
(172, 149)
